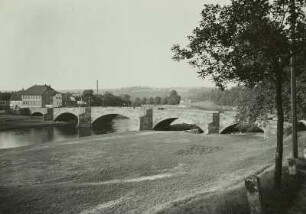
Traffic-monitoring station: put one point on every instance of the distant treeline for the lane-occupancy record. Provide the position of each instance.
(228, 97)
(109, 99)
(106, 99)
(5, 95)
(172, 99)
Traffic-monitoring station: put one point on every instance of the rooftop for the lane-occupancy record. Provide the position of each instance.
(38, 90)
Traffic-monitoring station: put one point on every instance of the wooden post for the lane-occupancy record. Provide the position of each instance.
(292, 166)
(253, 189)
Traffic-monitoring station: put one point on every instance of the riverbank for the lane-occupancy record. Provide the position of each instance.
(13, 121)
(135, 172)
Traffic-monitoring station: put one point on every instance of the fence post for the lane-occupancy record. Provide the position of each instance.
(292, 166)
(253, 189)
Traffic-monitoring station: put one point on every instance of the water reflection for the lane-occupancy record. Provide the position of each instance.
(24, 137)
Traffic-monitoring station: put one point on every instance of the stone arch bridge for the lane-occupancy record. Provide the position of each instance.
(145, 119)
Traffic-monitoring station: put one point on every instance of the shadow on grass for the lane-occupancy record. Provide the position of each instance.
(234, 200)
(279, 201)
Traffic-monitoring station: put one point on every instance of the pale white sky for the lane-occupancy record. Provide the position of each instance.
(72, 43)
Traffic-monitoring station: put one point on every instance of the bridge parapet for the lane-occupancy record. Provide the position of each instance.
(40, 110)
(129, 112)
(198, 117)
(226, 119)
(76, 111)
(133, 114)
(47, 113)
(146, 119)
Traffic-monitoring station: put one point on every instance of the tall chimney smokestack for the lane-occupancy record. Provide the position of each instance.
(97, 87)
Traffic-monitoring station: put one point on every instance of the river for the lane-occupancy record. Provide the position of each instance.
(29, 136)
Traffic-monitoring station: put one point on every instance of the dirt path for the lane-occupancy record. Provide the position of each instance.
(125, 173)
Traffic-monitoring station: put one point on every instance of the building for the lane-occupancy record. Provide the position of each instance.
(16, 100)
(41, 96)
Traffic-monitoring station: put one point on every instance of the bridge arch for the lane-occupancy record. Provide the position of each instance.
(301, 126)
(182, 124)
(37, 114)
(233, 128)
(164, 123)
(108, 118)
(113, 122)
(67, 117)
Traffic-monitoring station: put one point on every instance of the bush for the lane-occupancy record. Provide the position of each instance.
(25, 111)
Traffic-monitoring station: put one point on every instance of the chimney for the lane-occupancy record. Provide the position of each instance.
(97, 87)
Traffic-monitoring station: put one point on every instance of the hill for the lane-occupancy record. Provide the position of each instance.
(141, 91)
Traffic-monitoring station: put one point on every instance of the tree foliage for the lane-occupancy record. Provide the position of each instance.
(88, 96)
(249, 41)
(107, 99)
(255, 104)
(172, 99)
(227, 97)
(5, 95)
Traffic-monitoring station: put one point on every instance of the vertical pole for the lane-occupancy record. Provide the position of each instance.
(292, 166)
(294, 116)
(97, 87)
(293, 85)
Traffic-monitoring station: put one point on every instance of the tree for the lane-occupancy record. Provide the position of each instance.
(97, 100)
(5, 95)
(151, 101)
(126, 100)
(157, 100)
(164, 101)
(137, 102)
(174, 98)
(248, 41)
(110, 99)
(144, 101)
(87, 96)
(254, 105)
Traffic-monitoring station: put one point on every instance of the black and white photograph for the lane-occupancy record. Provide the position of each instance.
(152, 106)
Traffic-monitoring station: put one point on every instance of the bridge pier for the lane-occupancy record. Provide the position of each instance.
(85, 118)
(146, 121)
(49, 115)
(214, 126)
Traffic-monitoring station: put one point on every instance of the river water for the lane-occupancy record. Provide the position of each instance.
(29, 136)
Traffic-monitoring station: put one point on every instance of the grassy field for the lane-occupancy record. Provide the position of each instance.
(137, 172)
(210, 106)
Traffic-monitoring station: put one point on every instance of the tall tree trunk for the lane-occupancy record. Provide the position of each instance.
(280, 132)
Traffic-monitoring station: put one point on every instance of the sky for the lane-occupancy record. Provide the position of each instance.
(69, 44)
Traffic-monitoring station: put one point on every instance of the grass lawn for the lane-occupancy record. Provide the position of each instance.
(210, 106)
(136, 172)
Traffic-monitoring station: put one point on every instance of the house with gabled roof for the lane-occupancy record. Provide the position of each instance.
(41, 96)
